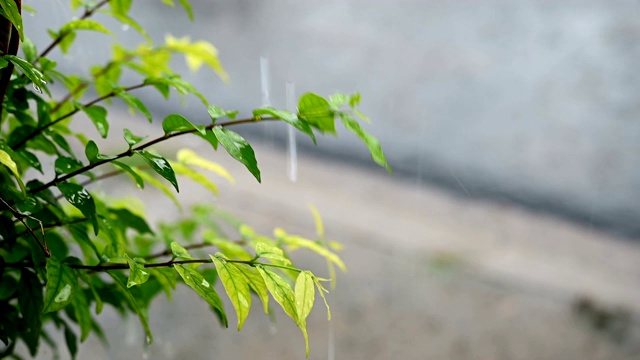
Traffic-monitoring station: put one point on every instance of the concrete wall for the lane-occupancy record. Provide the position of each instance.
(533, 101)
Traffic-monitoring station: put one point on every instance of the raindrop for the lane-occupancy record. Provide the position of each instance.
(292, 163)
(148, 340)
(125, 27)
(64, 294)
(205, 283)
(37, 88)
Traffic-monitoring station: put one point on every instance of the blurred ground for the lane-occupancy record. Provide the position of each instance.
(431, 275)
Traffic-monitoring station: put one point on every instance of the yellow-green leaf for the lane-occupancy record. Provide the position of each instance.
(280, 290)
(162, 187)
(6, 160)
(189, 157)
(256, 283)
(137, 273)
(295, 241)
(202, 287)
(195, 176)
(236, 287)
(179, 251)
(318, 220)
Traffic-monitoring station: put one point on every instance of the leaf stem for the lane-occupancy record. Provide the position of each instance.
(18, 215)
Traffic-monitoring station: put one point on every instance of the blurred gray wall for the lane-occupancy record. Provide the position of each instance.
(529, 101)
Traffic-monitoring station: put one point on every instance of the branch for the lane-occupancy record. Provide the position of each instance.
(39, 130)
(188, 247)
(132, 151)
(18, 215)
(87, 13)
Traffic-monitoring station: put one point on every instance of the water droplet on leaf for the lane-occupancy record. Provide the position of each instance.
(64, 294)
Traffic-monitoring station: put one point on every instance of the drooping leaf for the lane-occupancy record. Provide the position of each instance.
(176, 122)
(280, 290)
(98, 116)
(196, 54)
(120, 7)
(289, 118)
(92, 152)
(12, 13)
(210, 137)
(321, 291)
(318, 221)
(230, 249)
(203, 288)
(62, 283)
(136, 177)
(238, 148)
(82, 313)
(236, 287)
(179, 251)
(338, 100)
(295, 241)
(187, 7)
(137, 272)
(30, 302)
(317, 111)
(84, 24)
(72, 341)
(135, 103)
(142, 313)
(30, 71)
(166, 277)
(161, 166)
(80, 198)
(6, 160)
(257, 284)
(305, 296)
(189, 157)
(372, 143)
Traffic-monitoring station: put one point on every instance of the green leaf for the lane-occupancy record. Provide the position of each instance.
(92, 152)
(238, 148)
(29, 49)
(142, 314)
(66, 165)
(98, 116)
(30, 302)
(82, 313)
(161, 166)
(12, 13)
(136, 177)
(6, 160)
(210, 137)
(372, 143)
(131, 139)
(205, 290)
(72, 341)
(280, 290)
(84, 24)
(135, 103)
(217, 112)
(120, 7)
(187, 7)
(80, 198)
(189, 157)
(62, 283)
(268, 251)
(305, 296)
(30, 71)
(166, 277)
(236, 287)
(179, 251)
(177, 122)
(338, 100)
(257, 284)
(317, 111)
(153, 181)
(195, 176)
(137, 272)
(289, 118)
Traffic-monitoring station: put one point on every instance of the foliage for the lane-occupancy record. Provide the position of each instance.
(66, 252)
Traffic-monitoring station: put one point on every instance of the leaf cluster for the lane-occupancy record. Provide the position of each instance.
(67, 251)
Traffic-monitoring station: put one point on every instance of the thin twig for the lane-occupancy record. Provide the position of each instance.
(87, 13)
(168, 252)
(132, 151)
(18, 215)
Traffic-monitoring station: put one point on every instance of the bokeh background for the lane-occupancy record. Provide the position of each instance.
(510, 227)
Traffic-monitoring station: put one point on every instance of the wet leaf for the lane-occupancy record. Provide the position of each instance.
(98, 116)
(6, 160)
(11, 11)
(179, 251)
(268, 251)
(66, 165)
(80, 198)
(177, 122)
(134, 175)
(257, 284)
(62, 283)
(30, 71)
(238, 148)
(131, 139)
(137, 272)
(217, 112)
(372, 143)
(161, 166)
(135, 103)
(280, 290)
